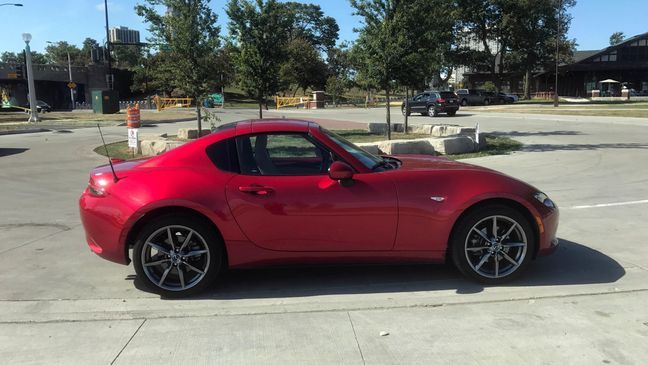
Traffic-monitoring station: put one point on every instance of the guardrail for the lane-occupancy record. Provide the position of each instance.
(284, 101)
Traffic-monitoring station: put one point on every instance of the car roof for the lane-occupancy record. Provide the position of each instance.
(270, 125)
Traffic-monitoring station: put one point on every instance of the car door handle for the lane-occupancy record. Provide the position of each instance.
(256, 189)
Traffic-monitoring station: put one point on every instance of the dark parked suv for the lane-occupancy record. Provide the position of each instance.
(432, 103)
(477, 97)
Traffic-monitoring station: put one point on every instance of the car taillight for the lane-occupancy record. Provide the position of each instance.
(440, 100)
(97, 188)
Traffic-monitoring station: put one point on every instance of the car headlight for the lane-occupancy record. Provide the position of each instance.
(544, 199)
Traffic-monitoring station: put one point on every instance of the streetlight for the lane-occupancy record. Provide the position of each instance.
(33, 117)
(69, 72)
(10, 4)
(555, 102)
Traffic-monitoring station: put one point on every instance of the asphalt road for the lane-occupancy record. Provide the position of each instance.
(59, 303)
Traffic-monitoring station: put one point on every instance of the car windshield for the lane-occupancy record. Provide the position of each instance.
(367, 159)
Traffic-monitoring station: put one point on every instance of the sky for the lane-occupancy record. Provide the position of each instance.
(74, 20)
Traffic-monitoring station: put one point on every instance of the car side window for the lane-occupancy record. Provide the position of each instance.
(277, 154)
(223, 155)
(418, 97)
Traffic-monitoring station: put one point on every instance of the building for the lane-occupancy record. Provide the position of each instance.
(626, 62)
(124, 35)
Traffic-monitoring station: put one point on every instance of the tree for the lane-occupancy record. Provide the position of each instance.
(11, 57)
(57, 53)
(86, 49)
(335, 86)
(382, 44)
(304, 67)
(258, 29)
(126, 55)
(189, 36)
(307, 21)
(616, 38)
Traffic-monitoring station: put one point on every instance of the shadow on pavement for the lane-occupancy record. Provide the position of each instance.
(581, 147)
(459, 114)
(571, 264)
(11, 151)
(541, 134)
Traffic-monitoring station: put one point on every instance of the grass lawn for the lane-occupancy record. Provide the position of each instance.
(495, 145)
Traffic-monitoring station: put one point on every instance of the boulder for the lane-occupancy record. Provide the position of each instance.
(371, 147)
(453, 145)
(191, 133)
(419, 146)
(398, 127)
(377, 128)
(420, 128)
(154, 147)
(446, 130)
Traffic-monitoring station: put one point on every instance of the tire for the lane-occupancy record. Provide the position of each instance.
(174, 274)
(486, 101)
(404, 112)
(495, 262)
(432, 111)
(452, 114)
(464, 102)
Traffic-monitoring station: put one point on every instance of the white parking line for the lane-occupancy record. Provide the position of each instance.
(609, 204)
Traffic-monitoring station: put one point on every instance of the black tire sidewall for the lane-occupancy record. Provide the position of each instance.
(462, 229)
(212, 239)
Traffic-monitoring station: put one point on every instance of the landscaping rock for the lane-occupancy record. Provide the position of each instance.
(145, 136)
(446, 130)
(377, 128)
(371, 147)
(453, 145)
(420, 128)
(191, 133)
(154, 147)
(398, 127)
(407, 146)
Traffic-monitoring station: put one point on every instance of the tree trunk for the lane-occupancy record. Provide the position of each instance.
(260, 109)
(388, 115)
(406, 105)
(199, 117)
(527, 85)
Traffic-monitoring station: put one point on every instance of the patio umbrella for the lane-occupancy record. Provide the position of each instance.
(609, 81)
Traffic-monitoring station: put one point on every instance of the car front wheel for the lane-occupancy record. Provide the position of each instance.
(405, 111)
(493, 244)
(432, 111)
(176, 256)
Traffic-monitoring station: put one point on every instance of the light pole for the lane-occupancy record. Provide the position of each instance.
(11, 4)
(33, 117)
(555, 104)
(69, 73)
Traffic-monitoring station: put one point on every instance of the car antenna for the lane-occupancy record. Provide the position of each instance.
(115, 179)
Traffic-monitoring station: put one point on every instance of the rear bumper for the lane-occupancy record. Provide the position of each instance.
(448, 108)
(103, 224)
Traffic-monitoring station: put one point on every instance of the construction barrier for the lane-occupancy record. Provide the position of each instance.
(170, 103)
(133, 116)
(284, 101)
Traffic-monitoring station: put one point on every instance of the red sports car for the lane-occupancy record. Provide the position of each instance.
(266, 192)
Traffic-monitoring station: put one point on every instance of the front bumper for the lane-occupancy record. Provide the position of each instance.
(548, 228)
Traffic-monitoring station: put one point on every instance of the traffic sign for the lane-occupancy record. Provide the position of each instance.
(133, 137)
(71, 85)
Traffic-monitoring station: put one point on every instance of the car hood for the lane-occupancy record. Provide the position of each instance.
(424, 162)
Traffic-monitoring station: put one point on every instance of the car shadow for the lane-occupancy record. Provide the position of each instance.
(571, 264)
(11, 151)
(458, 115)
(541, 134)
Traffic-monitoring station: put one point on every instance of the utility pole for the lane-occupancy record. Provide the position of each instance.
(109, 76)
(69, 73)
(33, 116)
(557, 46)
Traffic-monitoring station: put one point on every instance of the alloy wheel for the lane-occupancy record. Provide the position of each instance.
(496, 246)
(175, 258)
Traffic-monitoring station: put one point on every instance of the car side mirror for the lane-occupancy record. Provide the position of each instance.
(340, 171)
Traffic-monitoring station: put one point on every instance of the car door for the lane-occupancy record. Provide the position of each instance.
(418, 103)
(284, 200)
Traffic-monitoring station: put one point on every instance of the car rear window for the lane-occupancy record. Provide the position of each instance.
(223, 155)
(447, 94)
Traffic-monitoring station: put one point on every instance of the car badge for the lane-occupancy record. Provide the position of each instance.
(438, 199)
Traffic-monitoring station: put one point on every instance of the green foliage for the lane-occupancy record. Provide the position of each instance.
(57, 53)
(11, 57)
(259, 31)
(307, 21)
(489, 86)
(304, 67)
(187, 40)
(616, 38)
(336, 86)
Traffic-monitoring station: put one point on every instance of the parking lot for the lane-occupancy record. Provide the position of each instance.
(59, 303)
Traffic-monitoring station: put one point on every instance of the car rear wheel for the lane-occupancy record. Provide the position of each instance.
(176, 256)
(492, 244)
(405, 112)
(432, 112)
(486, 101)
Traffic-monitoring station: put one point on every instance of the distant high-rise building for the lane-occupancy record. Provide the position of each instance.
(124, 35)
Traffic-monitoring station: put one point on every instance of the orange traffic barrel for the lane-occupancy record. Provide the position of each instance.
(133, 117)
